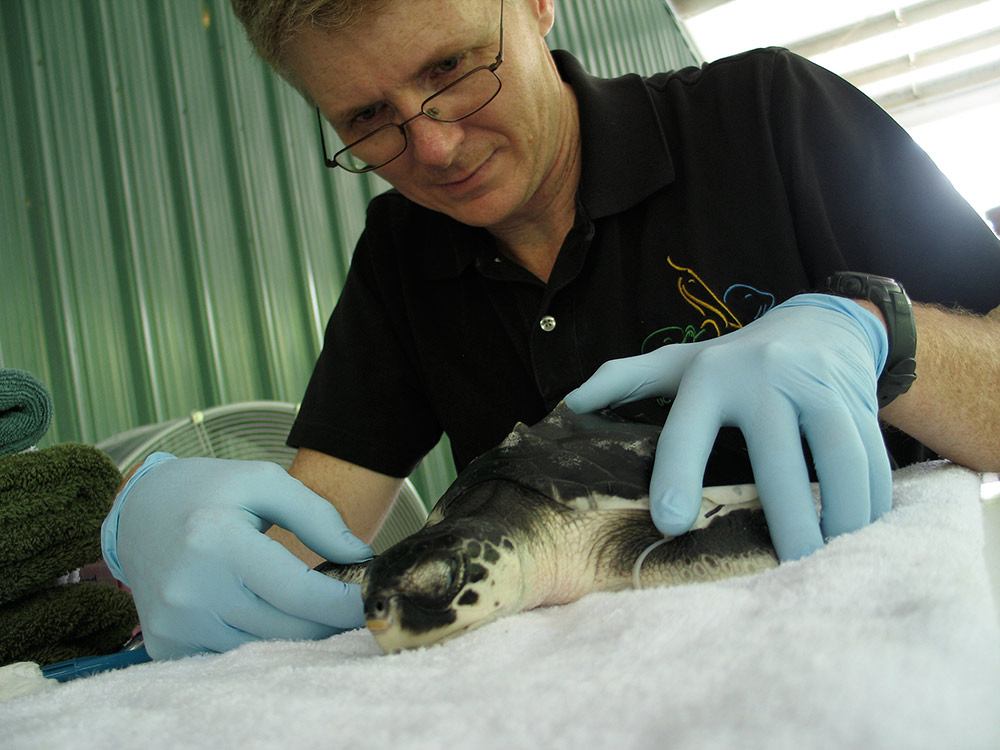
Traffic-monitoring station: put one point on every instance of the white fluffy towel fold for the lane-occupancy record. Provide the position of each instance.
(887, 638)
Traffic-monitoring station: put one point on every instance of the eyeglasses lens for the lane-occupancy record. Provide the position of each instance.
(455, 102)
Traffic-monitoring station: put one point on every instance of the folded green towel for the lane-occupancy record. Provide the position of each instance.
(25, 410)
(66, 622)
(52, 504)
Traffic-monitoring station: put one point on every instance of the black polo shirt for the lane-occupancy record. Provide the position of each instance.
(707, 196)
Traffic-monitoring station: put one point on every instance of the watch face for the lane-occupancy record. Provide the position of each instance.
(851, 286)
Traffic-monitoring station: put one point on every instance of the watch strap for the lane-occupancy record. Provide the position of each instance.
(891, 299)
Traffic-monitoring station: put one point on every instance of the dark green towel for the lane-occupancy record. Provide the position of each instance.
(65, 622)
(52, 504)
(25, 410)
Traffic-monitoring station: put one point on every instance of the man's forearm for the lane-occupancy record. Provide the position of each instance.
(954, 404)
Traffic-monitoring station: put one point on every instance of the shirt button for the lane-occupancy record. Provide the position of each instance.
(547, 324)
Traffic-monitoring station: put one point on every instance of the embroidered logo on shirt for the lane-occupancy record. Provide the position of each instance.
(739, 305)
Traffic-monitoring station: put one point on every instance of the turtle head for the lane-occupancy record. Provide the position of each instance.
(442, 581)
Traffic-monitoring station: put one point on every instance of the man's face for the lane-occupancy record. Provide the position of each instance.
(485, 170)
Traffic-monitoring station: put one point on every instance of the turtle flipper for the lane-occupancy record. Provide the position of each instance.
(732, 544)
(348, 573)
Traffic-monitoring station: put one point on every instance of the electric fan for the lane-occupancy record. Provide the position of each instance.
(252, 431)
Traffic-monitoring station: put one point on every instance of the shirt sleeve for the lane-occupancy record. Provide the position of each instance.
(857, 181)
(365, 403)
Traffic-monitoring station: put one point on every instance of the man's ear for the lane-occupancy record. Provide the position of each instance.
(545, 13)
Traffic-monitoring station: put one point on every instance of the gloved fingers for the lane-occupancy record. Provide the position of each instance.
(284, 582)
(841, 462)
(622, 381)
(779, 470)
(293, 506)
(682, 452)
(221, 638)
(256, 619)
(879, 469)
(225, 638)
(238, 620)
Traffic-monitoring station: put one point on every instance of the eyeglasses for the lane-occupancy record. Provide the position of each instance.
(459, 99)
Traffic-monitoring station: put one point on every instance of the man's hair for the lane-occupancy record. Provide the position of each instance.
(271, 24)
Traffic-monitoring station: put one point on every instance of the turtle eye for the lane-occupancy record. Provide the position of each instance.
(378, 609)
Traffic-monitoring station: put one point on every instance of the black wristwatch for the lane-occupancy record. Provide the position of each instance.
(888, 296)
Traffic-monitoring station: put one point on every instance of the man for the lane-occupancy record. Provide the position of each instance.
(545, 222)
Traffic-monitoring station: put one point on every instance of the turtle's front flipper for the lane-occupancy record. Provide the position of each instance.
(732, 544)
(349, 573)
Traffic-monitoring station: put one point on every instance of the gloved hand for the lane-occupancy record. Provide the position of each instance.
(808, 367)
(186, 535)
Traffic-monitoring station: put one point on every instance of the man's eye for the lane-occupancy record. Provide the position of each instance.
(363, 121)
(450, 64)
(368, 113)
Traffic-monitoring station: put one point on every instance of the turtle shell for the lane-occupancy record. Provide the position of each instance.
(567, 457)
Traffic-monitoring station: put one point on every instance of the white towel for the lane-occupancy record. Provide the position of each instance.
(885, 639)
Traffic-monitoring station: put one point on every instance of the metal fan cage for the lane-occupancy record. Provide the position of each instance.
(249, 431)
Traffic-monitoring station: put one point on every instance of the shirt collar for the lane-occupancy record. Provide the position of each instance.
(624, 159)
(625, 155)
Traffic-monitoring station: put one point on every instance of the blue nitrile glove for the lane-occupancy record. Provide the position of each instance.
(186, 535)
(808, 367)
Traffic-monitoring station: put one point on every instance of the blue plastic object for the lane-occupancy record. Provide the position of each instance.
(86, 666)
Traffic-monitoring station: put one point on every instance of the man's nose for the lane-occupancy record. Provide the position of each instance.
(434, 143)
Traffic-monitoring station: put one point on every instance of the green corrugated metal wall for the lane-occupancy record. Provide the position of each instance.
(168, 237)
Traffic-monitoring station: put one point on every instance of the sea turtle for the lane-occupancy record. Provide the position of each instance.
(556, 511)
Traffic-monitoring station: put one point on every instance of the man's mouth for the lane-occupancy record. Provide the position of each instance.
(468, 181)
